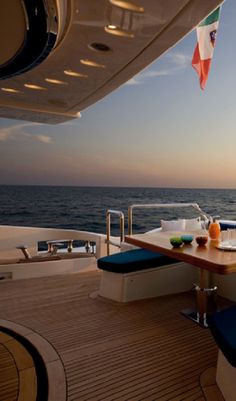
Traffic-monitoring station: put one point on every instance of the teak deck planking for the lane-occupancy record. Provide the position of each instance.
(143, 350)
(9, 382)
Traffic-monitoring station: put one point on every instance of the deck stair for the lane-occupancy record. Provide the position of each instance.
(30, 368)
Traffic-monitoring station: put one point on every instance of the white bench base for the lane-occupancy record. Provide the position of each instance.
(226, 378)
(164, 280)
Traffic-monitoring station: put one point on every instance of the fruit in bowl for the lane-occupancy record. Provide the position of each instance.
(201, 240)
(176, 242)
(187, 238)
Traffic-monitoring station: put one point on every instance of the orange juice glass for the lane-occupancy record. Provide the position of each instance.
(214, 230)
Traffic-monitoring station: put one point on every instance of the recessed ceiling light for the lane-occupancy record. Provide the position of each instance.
(91, 63)
(55, 81)
(78, 114)
(100, 47)
(113, 30)
(110, 26)
(10, 90)
(126, 5)
(75, 74)
(36, 87)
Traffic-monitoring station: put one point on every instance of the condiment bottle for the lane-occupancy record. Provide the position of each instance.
(214, 229)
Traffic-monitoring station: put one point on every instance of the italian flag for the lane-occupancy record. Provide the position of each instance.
(206, 36)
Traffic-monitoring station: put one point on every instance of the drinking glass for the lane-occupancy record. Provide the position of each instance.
(231, 236)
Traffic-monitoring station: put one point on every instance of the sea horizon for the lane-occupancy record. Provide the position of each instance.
(116, 186)
(84, 207)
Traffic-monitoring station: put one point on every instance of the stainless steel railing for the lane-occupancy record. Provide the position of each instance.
(204, 215)
(121, 216)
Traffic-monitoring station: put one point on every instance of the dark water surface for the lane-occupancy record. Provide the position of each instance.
(84, 208)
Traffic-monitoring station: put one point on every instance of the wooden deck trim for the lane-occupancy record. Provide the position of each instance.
(27, 384)
(25, 369)
(57, 387)
(9, 378)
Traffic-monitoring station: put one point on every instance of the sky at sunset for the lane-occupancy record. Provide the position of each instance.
(159, 130)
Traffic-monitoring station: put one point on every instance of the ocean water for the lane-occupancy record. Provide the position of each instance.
(84, 208)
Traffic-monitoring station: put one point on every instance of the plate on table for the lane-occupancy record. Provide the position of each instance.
(224, 246)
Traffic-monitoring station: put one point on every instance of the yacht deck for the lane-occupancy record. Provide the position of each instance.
(143, 350)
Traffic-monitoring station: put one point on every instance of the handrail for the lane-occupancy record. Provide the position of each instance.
(108, 226)
(205, 216)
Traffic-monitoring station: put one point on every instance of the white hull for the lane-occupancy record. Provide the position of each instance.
(11, 237)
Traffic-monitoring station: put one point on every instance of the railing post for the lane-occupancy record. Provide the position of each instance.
(108, 229)
(130, 220)
(108, 226)
(122, 228)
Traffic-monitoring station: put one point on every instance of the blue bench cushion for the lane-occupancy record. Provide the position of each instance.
(223, 328)
(134, 260)
(224, 225)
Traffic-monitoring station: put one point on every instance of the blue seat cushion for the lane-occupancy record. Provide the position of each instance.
(223, 328)
(134, 260)
(224, 225)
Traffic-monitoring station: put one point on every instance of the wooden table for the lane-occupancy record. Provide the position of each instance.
(207, 258)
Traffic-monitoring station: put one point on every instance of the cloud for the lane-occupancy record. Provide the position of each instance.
(17, 132)
(44, 138)
(175, 61)
(139, 79)
(157, 73)
(179, 60)
(133, 81)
